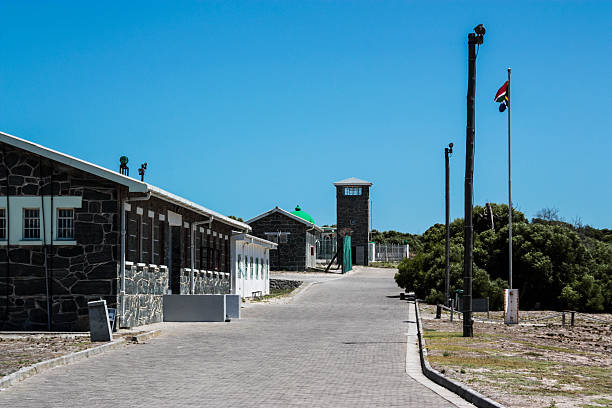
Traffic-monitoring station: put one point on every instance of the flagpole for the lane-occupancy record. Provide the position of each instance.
(509, 188)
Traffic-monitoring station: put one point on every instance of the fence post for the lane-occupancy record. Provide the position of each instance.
(572, 318)
(452, 309)
(563, 318)
(438, 311)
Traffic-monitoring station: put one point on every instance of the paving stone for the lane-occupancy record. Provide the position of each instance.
(341, 343)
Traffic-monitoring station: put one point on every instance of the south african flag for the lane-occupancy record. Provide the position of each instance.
(502, 97)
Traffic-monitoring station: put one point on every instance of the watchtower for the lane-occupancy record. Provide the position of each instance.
(353, 215)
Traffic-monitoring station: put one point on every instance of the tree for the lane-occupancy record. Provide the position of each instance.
(555, 264)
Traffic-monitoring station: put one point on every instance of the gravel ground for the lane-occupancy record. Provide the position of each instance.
(532, 365)
(17, 351)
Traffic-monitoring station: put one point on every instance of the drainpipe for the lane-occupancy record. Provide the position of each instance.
(124, 201)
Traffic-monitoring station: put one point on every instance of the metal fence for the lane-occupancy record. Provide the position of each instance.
(390, 252)
(326, 249)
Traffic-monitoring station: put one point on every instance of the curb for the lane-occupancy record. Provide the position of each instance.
(463, 391)
(38, 368)
(141, 338)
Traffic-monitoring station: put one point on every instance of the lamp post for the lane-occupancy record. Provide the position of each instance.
(474, 39)
(447, 152)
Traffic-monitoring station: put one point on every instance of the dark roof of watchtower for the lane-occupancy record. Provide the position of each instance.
(352, 181)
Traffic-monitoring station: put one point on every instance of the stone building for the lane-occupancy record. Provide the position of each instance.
(353, 217)
(72, 231)
(294, 232)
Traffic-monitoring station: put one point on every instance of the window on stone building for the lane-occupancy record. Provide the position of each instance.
(65, 223)
(272, 236)
(2, 224)
(284, 237)
(352, 191)
(31, 223)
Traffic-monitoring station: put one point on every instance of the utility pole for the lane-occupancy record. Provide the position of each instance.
(474, 39)
(447, 151)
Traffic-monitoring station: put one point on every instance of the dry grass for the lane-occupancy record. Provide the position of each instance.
(526, 366)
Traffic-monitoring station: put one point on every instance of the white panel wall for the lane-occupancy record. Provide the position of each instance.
(250, 269)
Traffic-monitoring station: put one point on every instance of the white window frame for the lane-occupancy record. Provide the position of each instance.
(57, 224)
(352, 191)
(5, 219)
(16, 205)
(26, 227)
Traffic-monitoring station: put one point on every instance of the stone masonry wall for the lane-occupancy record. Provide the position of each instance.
(144, 289)
(292, 255)
(284, 284)
(76, 274)
(205, 283)
(353, 216)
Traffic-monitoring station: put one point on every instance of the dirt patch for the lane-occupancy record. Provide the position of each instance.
(22, 350)
(541, 365)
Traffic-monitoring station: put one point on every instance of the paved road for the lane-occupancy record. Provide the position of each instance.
(340, 343)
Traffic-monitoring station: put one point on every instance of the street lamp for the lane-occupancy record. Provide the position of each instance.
(447, 152)
(474, 39)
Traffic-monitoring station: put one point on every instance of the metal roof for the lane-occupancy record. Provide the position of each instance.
(288, 214)
(133, 185)
(352, 181)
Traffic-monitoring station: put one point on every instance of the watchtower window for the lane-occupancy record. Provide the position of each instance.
(352, 191)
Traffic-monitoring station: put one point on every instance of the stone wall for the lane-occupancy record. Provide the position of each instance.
(284, 284)
(290, 256)
(205, 282)
(74, 274)
(145, 286)
(353, 217)
(151, 240)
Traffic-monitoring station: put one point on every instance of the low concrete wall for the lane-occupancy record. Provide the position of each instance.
(194, 308)
(284, 284)
(232, 306)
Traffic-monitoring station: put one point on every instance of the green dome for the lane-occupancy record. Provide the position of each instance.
(302, 214)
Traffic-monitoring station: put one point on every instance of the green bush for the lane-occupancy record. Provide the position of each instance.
(555, 265)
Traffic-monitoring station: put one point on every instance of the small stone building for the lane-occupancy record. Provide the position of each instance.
(250, 265)
(353, 217)
(294, 232)
(72, 231)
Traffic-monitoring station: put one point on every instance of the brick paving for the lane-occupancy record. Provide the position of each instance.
(342, 343)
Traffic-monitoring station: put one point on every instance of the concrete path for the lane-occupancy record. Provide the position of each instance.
(340, 343)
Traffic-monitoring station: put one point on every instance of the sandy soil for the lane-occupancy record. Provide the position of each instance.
(539, 364)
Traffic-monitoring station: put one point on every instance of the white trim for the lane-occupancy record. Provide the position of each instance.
(133, 184)
(174, 219)
(352, 181)
(18, 203)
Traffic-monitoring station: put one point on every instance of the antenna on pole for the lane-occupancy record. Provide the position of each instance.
(123, 168)
(141, 171)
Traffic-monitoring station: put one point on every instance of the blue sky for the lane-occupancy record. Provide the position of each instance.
(241, 106)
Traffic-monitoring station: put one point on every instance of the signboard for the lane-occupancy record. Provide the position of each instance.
(112, 313)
